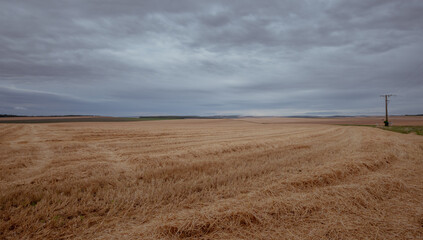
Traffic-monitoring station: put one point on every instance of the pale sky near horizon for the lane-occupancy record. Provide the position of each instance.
(131, 58)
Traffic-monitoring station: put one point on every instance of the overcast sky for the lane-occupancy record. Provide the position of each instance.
(132, 57)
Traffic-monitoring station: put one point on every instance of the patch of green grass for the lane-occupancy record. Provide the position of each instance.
(405, 129)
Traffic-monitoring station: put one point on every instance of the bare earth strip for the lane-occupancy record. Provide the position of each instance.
(209, 179)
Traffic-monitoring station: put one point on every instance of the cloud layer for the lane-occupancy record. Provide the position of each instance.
(210, 57)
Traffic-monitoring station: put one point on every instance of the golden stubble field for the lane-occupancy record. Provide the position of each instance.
(209, 179)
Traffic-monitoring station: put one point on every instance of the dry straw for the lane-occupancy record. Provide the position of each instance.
(209, 179)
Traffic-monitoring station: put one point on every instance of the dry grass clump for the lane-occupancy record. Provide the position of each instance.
(209, 179)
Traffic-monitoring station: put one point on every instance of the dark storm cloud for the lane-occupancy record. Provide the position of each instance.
(35, 102)
(210, 57)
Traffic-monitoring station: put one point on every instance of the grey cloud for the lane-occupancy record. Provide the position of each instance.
(35, 102)
(205, 57)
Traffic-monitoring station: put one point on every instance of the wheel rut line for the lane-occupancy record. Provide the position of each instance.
(40, 160)
(114, 158)
(245, 141)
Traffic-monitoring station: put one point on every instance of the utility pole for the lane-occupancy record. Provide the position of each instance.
(386, 96)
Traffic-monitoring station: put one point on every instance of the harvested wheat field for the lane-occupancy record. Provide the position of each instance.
(209, 179)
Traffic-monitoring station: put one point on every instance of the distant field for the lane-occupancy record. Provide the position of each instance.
(78, 119)
(377, 121)
(255, 178)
